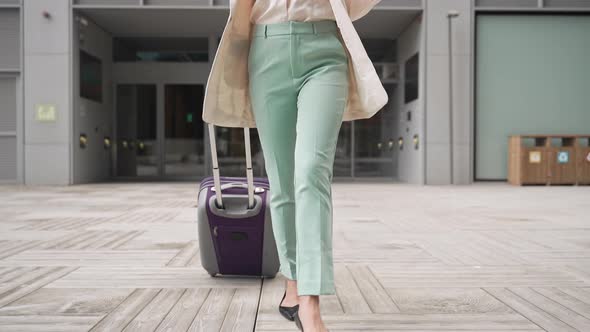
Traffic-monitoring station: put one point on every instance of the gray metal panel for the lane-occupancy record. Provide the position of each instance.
(409, 161)
(46, 35)
(47, 164)
(46, 82)
(9, 38)
(400, 3)
(10, 2)
(92, 164)
(8, 159)
(178, 2)
(567, 3)
(108, 2)
(437, 111)
(507, 3)
(8, 104)
(437, 28)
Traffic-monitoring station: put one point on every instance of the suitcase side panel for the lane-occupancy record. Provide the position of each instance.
(206, 248)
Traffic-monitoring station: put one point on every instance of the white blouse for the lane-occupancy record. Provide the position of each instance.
(272, 11)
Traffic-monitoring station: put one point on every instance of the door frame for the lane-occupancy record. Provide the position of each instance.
(160, 136)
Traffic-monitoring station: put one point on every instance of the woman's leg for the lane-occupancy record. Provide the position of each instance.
(274, 104)
(321, 104)
(298, 87)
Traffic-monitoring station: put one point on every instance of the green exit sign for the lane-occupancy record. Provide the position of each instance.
(189, 117)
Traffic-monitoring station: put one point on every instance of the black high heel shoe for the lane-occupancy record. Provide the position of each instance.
(298, 321)
(288, 312)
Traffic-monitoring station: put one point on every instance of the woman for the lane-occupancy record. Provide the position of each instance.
(295, 69)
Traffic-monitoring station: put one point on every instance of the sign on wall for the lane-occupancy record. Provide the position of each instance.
(563, 157)
(534, 157)
(45, 113)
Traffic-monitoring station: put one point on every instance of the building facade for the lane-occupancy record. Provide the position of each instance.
(103, 90)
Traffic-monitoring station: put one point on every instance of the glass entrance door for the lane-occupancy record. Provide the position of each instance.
(184, 132)
(159, 131)
(160, 134)
(137, 149)
(367, 148)
(374, 148)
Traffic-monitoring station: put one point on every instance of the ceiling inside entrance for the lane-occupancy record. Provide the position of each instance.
(150, 22)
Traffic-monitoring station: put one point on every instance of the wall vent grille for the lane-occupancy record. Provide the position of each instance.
(9, 39)
(8, 158)
(8, 105)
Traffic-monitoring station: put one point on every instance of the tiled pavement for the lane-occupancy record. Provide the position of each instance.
(485, 257)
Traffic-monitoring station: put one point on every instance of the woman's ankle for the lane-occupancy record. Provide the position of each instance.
(310, 300)
(291, 299)
(310, 313)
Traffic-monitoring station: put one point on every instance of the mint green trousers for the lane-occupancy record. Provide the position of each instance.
(298, 85)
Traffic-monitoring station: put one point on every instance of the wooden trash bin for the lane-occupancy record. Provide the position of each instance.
(562, 159)
(583, 159)
(528, 159)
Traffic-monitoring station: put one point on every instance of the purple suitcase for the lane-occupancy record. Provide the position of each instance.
(235, 228)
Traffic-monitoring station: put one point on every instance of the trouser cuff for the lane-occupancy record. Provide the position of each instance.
(314, 288)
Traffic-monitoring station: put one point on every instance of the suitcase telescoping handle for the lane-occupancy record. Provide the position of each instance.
(216, 176)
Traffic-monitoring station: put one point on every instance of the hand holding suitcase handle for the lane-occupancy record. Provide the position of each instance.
(216, 176)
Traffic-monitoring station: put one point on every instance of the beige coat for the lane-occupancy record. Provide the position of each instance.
(227, 101)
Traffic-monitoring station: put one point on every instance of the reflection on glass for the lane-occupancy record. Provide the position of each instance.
(374, 148)
(137, 150)
(160, 49)
(343, 158)
(184, 145)
(411, 79)
(231, 152)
